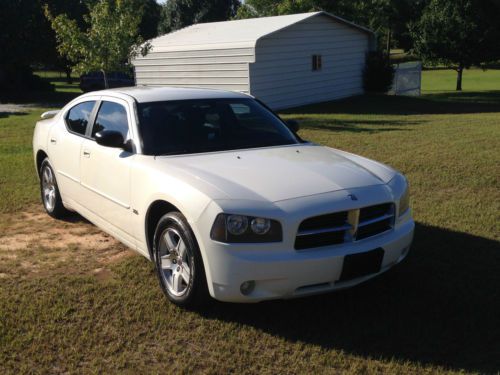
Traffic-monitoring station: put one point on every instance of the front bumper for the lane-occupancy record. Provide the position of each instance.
(280, 271)
(298, 273)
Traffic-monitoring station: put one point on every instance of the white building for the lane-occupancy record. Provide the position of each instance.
(285, 61)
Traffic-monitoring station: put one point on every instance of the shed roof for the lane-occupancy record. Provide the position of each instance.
(234, 34)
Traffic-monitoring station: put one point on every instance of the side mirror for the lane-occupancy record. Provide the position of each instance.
(110, 138)
(293, 125)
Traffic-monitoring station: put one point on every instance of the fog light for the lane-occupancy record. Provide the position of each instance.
(247, 287)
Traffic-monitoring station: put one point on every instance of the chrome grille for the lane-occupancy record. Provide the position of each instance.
(345, 226)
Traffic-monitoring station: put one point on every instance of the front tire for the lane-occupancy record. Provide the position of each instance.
(49, 191)
(178, 261)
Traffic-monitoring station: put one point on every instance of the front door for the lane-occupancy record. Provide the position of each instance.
(106, 171)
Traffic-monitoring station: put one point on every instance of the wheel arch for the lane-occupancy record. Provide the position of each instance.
(41, 155)
(155, 211)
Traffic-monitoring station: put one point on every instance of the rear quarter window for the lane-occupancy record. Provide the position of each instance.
(78, 117)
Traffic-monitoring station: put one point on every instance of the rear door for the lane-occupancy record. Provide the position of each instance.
(65, 142)
(106, 171)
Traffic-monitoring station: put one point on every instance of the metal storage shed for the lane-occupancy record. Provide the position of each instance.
(285, 61)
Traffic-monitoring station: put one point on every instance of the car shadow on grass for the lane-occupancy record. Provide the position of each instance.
(432, 103)
(74, 218)
(441, 306)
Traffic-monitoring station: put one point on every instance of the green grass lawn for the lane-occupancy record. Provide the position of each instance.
(61, 94)
(440, 80)
(437, 312)
(60, 82)
(18, 182)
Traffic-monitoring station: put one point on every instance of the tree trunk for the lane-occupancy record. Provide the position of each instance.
(69, 79)
(105, 79)
(388, 47)
(460, 70)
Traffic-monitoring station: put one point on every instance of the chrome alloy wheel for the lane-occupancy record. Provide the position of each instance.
(48, 189)
(174, 262)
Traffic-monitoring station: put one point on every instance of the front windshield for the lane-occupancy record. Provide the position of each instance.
(203, 125)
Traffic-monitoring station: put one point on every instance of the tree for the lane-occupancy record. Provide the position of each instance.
(151, 15)
(74, 9)
(21, 24)
(177, 14)
(264, 8)
(458, 34)
(378, 73)
(109, 42)
(387, 18)
(406, 12)
(21, 42)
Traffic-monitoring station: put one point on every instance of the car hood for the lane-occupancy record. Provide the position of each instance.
(278, 173)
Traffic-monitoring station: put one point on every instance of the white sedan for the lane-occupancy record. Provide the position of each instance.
(221, 194)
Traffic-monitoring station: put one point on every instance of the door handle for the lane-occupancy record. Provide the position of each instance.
(53, 141)
(86, 154)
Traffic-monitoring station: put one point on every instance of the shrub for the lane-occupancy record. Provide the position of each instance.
(18, 80)
(378, 73)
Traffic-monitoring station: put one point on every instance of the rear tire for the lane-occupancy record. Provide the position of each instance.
(178, 262)
(49, 191)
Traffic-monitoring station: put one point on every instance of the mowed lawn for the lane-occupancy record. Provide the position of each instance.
(439, 311)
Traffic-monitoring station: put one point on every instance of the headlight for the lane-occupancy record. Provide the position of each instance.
(260, 225)
(240, 228)
(236, 224)
(404, 201)
(399, 187)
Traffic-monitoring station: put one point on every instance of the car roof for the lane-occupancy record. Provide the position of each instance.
(144, 94)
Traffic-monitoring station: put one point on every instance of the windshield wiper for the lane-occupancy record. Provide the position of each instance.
(176, 152)
(259, 145)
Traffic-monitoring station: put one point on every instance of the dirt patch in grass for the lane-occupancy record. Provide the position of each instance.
(32, 243)
(36, 227)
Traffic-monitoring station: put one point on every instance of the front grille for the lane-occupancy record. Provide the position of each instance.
(371, 212)
(345, 226)
(373, 229)
(318, 240)
(324, 221)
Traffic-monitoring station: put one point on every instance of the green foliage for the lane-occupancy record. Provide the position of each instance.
(22, 43)
(25, 28)
(264, 8)
(110, 40)
(378, 73)
(458, 33)
(74, 9)
(151, 15)
(21, 31)
(388, 18)
(177, 14)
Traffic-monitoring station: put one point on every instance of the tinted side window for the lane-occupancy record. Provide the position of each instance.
(78, 117)
(111, 116)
